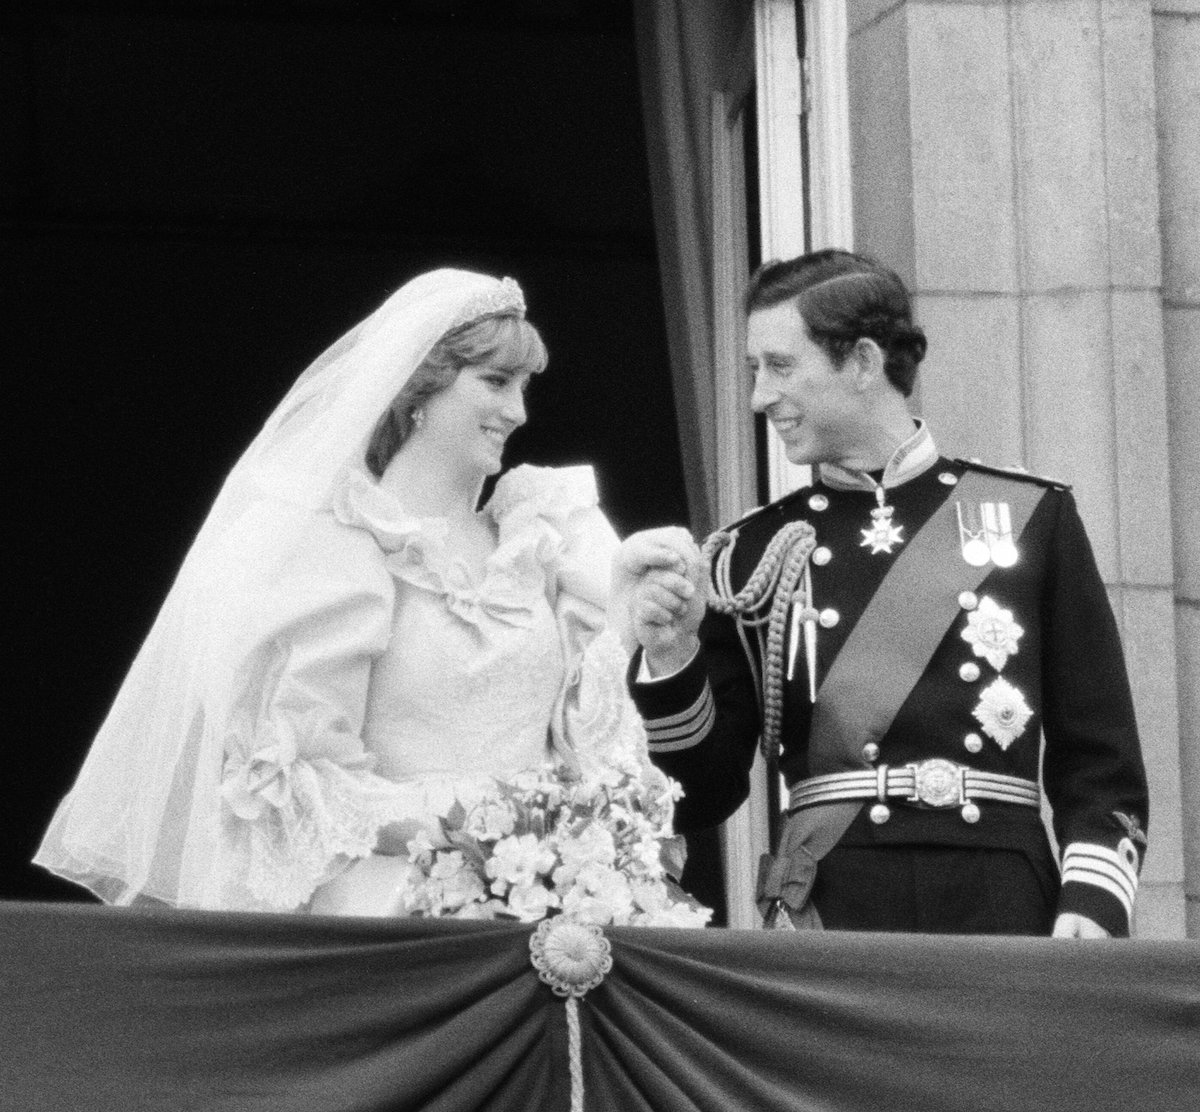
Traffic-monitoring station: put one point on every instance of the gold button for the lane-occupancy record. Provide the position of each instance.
(948, 477)
(970, 812)
(973, 743)
(871, 751)
(969, 671)
(821, 556)
(829, 617)
(818, 502)
(968, 600)
(880, 814)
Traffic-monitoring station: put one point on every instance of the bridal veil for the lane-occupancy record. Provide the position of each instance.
(143, 818)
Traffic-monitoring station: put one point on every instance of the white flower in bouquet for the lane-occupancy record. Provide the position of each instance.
(538, 782)
(447, 865)
(491, 819)
(600, 895)
(648, 897)
(451, 884)
(591, 845)
(681, 915)
(517, 860)
(646, 855)
(531, 902)
(421, 848)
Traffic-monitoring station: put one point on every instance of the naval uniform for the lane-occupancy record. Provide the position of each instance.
(935, 680)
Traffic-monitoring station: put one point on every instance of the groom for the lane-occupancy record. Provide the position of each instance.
(948, 617)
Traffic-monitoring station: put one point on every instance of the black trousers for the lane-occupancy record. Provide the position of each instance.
(936, 890)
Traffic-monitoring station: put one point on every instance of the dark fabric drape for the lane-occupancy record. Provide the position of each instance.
(683, 47)
(125, 1011)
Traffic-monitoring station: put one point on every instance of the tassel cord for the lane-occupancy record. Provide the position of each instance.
(772, 588)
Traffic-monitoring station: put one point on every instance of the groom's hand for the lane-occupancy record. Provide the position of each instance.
(662, 572)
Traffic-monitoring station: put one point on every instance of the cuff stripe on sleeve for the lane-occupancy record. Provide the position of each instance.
(1102, 867)
(674, 732)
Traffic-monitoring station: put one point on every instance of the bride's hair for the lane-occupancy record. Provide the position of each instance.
(508, 343)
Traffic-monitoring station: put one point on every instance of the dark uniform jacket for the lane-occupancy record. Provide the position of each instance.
(1065, 681)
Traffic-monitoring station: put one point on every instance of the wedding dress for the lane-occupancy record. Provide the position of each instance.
(429, 680)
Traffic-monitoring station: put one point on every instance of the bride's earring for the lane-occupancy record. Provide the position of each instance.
(418, 418)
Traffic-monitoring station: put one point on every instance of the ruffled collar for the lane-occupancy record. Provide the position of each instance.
(522, 498)
(529, 507)
(361, 502)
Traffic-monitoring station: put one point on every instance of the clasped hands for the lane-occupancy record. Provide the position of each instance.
(659, 593)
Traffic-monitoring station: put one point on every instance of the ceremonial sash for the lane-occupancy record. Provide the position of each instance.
(892, 643)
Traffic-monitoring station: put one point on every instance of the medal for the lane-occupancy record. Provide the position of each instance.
(992, 633)
(987, 535)
(882, 534)
(997, 524)
(974, 547)
(1002, 712)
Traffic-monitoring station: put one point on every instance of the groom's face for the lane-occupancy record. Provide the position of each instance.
(814, 404)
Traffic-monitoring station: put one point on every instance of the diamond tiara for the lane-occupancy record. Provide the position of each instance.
(502, 299)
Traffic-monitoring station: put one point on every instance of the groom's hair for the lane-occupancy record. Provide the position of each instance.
(506, 342)
(843, 298)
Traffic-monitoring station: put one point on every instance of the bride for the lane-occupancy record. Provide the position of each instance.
(353, 647)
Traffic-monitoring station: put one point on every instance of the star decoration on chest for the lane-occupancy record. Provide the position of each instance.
(882, 534)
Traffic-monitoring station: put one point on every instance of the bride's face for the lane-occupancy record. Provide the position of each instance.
(472, 418)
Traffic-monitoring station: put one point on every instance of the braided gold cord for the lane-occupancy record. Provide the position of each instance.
(765, 598)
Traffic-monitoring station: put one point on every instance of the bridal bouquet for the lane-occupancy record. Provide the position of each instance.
(594, 849)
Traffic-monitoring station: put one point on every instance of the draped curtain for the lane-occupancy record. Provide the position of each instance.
(683, 46)
(116, 1010)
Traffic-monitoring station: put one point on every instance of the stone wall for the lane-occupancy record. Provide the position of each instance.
(1025, 166)
(1177, 73)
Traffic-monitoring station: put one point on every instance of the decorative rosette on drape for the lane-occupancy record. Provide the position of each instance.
(572, 958)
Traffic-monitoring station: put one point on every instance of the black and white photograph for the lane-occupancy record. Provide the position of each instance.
(602, 554)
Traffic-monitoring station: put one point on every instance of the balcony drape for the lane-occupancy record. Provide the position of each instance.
(114, 1010)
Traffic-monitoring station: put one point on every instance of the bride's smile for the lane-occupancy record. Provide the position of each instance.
(469, 422)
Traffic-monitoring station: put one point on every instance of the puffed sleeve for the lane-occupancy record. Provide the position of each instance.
(299, 797)
(594, 718)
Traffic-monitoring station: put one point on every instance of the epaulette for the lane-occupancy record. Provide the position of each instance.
(749, 515)
(1014, 472)
(758, 511)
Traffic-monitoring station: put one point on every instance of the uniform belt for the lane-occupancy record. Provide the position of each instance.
(933, 783)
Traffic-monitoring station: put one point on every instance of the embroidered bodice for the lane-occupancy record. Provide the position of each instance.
(473, 665)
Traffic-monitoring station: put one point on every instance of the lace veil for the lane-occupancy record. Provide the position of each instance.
(143, 817)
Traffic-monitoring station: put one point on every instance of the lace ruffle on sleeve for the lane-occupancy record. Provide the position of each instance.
(299, 798)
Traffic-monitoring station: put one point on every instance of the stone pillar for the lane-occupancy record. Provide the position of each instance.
(1005, 160)
(1177, 77)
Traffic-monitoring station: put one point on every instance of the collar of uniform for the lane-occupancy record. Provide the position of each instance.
(912, 458)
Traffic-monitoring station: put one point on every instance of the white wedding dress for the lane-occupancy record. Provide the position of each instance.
(393, 679)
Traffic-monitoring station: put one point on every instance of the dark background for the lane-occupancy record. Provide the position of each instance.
(195, 198)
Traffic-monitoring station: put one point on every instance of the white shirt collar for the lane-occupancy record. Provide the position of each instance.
(913, 457)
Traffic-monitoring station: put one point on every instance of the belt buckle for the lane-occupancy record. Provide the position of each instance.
(938, 783)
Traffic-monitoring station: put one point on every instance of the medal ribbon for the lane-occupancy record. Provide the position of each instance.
(892, 642)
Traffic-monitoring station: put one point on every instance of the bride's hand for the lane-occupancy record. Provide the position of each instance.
(659, 593)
